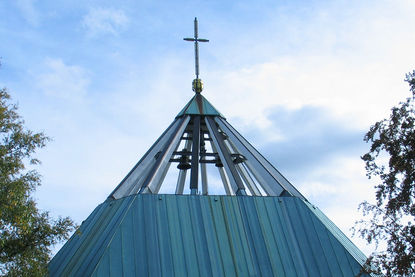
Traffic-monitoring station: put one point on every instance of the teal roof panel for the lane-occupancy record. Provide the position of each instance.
(199, 105)
(176, 235)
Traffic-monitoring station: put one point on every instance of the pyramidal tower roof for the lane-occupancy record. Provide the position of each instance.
(203, 201)
(199, 144)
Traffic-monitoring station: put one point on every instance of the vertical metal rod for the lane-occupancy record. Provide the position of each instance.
(203, 172)
(204, 179)
(196, 50)
(194, 173)
(180, 182)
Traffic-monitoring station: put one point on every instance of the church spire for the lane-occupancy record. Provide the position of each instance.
(197, 83)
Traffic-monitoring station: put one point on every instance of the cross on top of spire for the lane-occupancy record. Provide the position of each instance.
(196, 40)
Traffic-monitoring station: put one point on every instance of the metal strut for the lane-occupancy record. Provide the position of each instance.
(194, 173)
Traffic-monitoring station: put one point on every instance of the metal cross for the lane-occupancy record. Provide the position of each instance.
(196, 39)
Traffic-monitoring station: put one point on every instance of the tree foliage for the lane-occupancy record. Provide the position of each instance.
(392, 159)
(26, 233)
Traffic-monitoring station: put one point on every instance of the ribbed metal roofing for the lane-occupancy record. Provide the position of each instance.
(193, 235)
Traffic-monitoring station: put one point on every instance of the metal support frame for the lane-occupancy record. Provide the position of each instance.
(248, 180)
(222, 173)
(194, 173)
(279, 182)
(203, 172)
(241, 167)
(225, 156)
(244, 173)
(148, 185)
(139, 166)
(225, 182)
(204, 179)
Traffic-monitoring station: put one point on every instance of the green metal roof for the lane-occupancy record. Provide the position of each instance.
(199, 105)
(176, 235)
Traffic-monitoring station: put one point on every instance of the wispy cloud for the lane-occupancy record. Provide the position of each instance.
(308, 137)
(61, 80)
(348, 58)
(100, 21)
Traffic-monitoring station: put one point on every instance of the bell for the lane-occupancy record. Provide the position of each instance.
(239, 159)
(184, 163)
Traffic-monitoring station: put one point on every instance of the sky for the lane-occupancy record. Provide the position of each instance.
(301, 80)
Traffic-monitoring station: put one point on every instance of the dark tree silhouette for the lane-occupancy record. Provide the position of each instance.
(392, 159)
(26, 234)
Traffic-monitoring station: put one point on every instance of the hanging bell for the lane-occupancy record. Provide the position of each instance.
(184, 163)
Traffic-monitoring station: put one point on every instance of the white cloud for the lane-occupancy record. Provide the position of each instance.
(61, 80)
(337, 188)
(101, 21)
(352, 62)
(363, 92)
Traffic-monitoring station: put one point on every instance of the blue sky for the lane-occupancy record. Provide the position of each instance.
(302, 80)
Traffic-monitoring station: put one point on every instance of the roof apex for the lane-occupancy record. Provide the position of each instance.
(199, 105)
